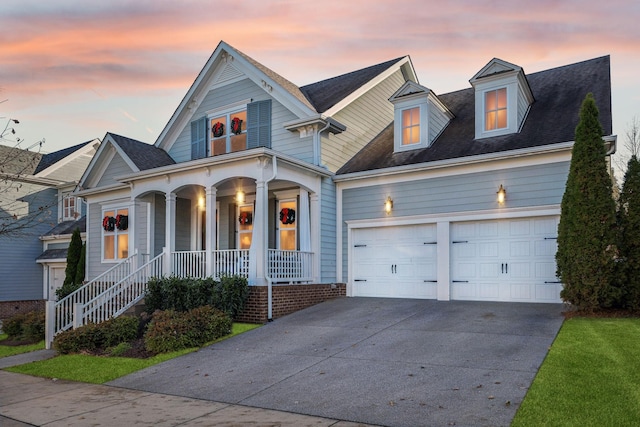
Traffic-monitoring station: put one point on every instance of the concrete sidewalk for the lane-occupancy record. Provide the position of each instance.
(32, 401)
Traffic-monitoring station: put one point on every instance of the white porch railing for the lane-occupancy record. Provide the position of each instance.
(189, 264)
(120, 297)
(63, 311)
(231, 262)
(290, 265)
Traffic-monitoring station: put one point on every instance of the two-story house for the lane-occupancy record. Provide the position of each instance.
(365, 184)
(37, 209)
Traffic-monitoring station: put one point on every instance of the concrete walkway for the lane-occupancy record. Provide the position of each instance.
(348, 361)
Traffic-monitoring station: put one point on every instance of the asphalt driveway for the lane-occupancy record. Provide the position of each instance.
(391, 362)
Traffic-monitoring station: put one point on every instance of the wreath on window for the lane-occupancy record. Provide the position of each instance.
(218, 129)
(287, 216)
(236, 126)
(245, 218)
(108, 223)
(122, 222)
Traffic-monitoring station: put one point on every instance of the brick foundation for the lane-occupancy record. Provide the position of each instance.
(286, 300)
(9, 309)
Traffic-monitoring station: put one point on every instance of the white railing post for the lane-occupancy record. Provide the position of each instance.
(166, 255)
(50, 323)
(77, 315)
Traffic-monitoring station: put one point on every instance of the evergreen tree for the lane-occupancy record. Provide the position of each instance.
(629, 231)
(80, 271)
(587, 229)
(73, 257)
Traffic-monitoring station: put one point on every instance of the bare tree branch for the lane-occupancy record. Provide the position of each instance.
(631, 145)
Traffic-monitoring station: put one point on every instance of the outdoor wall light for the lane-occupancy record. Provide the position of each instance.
(240, 196)
(502, 194)
(388, 205)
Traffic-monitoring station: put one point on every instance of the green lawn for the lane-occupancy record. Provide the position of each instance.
(8, 350)
(591, 377)
(98, 370)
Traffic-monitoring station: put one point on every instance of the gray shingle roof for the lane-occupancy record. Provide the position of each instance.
(53, 254)
(67, 227)
(18, 161)
(143, 155)
(327, 93)
(52, 158)
(553, 117)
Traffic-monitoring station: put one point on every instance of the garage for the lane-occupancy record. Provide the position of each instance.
(505, 260)
(395, 261)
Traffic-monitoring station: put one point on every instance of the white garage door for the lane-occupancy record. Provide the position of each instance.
(398, 262)
(505, 260)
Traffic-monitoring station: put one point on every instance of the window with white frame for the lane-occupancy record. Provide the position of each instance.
(70, 207)
(411, 126)
(287, 233)
(245, 225)
(115, 234)
(228, 132)
(495, 109)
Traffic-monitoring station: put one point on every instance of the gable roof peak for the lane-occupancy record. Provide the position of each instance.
(494, 67)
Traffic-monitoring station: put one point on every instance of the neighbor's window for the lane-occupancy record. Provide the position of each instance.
(115, 234)
(228, 132)
(411, 126)
(70, 207)
(495, 109)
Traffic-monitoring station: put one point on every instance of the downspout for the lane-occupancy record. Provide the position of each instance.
(316, 143)
(266, 252)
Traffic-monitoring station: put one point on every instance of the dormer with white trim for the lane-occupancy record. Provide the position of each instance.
(502, 99)
(419, 117)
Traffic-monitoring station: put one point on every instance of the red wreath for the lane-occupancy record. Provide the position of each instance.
(245, 218)
(218, 129)
(122, 222)
(108, 223)
(236, 125)
(287, 216)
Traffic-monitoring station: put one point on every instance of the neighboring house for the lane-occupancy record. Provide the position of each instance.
(36, 195)
(287, 185)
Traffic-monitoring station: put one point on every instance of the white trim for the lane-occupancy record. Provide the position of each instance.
(229, 108)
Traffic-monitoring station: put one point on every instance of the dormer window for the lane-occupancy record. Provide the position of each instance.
(411, 126)
(419, 117)
(495, 109)
(502, 99)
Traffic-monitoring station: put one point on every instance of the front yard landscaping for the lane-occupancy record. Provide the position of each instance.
(590, 377)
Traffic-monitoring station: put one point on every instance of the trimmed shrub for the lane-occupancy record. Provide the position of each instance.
(96, 336)
(85, 338)
(183, 294)
(171, 330)
(28, 326)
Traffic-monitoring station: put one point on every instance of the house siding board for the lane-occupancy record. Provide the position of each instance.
(526, 187)
(183, 225)
(74, 168)
(364, 119)
(328, 231)
(94, 239)
(437, 121)
(117, 167)
(523, 105)
(159, 226)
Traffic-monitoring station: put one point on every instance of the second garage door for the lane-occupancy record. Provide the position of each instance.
(398, 262)
(505, 260)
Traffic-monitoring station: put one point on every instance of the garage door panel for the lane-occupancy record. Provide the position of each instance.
(524, 253)
(398, 261)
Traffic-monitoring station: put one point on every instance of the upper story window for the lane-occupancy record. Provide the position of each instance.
(228, 132)
(495, 109)
(230, 129)
(411, 126)
(70, 207)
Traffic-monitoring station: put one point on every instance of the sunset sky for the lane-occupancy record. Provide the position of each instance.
(70, 71)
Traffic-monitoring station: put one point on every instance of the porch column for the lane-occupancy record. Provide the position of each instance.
(315, 238)
(304, 224)
(134, 235)
(170, 231)
(210, 227)
(258, 251)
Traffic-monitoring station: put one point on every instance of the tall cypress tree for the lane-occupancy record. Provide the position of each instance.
(629, 232)
(73, 257)
(587, 229)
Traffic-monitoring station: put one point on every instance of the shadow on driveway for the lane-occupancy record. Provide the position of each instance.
(392, 362)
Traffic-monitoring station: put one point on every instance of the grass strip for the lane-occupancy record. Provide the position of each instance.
(101, 369)
(590, 377)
